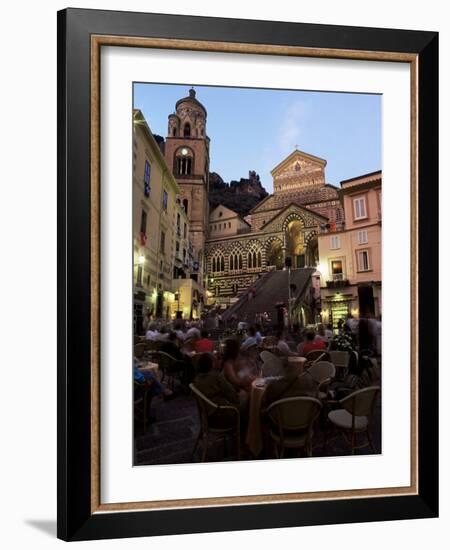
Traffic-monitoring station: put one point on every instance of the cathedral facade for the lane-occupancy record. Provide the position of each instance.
(280, 230)
(230, 252)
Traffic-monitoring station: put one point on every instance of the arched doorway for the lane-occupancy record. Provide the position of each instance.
(295, 243)
(274, 254)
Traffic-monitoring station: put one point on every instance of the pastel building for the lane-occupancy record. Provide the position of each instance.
(350, 253)
(155, 210)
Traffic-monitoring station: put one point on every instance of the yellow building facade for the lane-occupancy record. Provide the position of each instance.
(155, 210)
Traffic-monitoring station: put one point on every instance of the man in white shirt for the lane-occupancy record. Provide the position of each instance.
(282, 345)
(152, 333)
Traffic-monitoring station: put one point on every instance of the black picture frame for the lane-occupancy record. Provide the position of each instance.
(75, 518)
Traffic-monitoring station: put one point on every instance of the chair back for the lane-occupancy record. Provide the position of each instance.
(205, 406)
(272, 365)
(318, 355)
(361, 402)
(139, 350)
(152, 345)
(321, 371)
(294, 413)
(339, 358)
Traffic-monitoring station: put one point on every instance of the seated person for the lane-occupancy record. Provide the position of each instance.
(179, 331)
(282, 346)
(204, 345)
(163, 335)
(251, 339)
(214, 386)
(235, 370)
(312, 344)
(258, 334)
(150, 380)
(171, 347)
(193, 332)
(152, 332)
(291, 385)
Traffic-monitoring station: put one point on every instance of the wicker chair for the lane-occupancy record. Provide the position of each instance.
(292, 422)
(171, 368)
(317, 355)
(355, 416)
(212, 423)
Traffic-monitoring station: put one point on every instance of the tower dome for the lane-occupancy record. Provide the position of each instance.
(189, 119)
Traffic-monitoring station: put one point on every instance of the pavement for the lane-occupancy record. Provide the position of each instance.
(170, 437)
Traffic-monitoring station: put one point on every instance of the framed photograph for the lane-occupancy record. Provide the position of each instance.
(247, 255)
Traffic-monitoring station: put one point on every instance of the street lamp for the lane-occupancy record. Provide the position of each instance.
(141, 259)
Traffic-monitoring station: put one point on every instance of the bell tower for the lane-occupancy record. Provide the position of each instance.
(187, 154)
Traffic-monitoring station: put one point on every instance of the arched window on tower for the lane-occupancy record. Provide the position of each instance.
(185, 205)
(174, 131)
(184, 162)
(187, 130)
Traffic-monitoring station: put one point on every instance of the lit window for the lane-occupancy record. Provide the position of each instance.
(362, 237)
(335, 242)
(359, 208)
(363, 260)
(337, 270)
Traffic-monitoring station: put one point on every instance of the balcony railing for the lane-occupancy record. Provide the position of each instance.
(331, 227)
(337, 283)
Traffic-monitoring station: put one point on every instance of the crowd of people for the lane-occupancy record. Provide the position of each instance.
(224, 371)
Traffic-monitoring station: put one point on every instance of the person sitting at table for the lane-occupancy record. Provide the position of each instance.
(250, 359)
(251, 339)
(258, 334)
(180, 331)
(170, 347)
(290, 385)
(193, 332)
(235, 369)
(312, 344)
(152, 332)
(282, 346)
(204, 344)
(149, 379)
(214, 386)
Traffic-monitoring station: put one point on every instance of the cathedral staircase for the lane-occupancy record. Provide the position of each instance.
(270, 289)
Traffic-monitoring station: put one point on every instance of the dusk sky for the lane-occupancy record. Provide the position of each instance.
(255, 129)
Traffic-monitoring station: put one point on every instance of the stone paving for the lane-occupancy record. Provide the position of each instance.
(171, 436)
